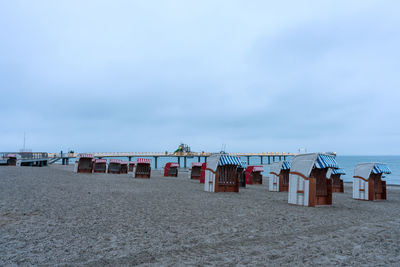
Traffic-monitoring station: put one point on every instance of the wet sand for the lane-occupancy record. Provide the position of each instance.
(52, 216)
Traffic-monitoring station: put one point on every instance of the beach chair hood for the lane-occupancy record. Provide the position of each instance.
(143, 160)
(220, 160)
(197, 164)
(338, 171)
(365, 169)
(304, 163)
(84, 155)
(276, 167)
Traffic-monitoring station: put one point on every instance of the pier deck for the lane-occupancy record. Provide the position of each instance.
(270, 156)
(27, 158)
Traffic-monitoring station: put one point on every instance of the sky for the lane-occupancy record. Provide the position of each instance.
(255, 76)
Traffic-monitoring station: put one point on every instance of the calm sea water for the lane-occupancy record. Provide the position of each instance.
(345, 162)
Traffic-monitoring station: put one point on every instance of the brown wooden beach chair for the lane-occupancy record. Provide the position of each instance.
(308, 184)
(143, 168)
(221, 174)
(337, 183)
(99, 165)
(253, 174)
(84, 163)
(368, 183)
(124, 167)
(196, 170)
(279, 180)
(171, 169)
(114, 166)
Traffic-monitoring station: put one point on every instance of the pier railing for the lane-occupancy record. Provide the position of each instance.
(26, 155)
(166, 154)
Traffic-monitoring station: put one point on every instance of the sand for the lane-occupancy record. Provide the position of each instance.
(52, 216)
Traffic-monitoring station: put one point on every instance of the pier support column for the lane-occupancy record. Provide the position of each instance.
(280, 158)
(155, 162)
(205, 159)
(184, 162)
(248, 160)
(261, 160)
(198, 160)
(129, 158)
(284, 157)
(273, 158)
(269, 160)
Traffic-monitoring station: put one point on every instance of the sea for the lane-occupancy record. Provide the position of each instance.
(345, 162)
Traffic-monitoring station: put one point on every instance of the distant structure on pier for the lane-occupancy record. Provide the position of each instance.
(183, 148)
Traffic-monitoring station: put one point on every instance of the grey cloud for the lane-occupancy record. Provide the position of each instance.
(96, 76)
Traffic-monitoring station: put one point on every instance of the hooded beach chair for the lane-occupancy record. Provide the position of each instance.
(279, 180)
(84, 163)
(196, 170)
(337, 183)
(242, 174)
(367, 181)
(114, 166)
(203, 172)
(221, 174)
(131, 167)
(99, 165)
(308, 184)
(253, 174)
(171, 169)
(124, 166)
(143, 168)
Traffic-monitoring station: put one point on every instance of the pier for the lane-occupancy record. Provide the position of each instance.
(37, 159)
(265, 157)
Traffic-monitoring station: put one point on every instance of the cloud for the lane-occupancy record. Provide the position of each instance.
(127, 75)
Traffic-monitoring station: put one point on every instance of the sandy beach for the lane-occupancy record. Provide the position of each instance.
(52, 216)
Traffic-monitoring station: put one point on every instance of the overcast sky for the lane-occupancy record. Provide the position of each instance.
(258, 76)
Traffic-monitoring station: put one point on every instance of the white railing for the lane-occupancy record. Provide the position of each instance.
(166, 154)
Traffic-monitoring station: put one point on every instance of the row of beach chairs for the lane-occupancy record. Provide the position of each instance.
(86, 163)
(310, 179)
